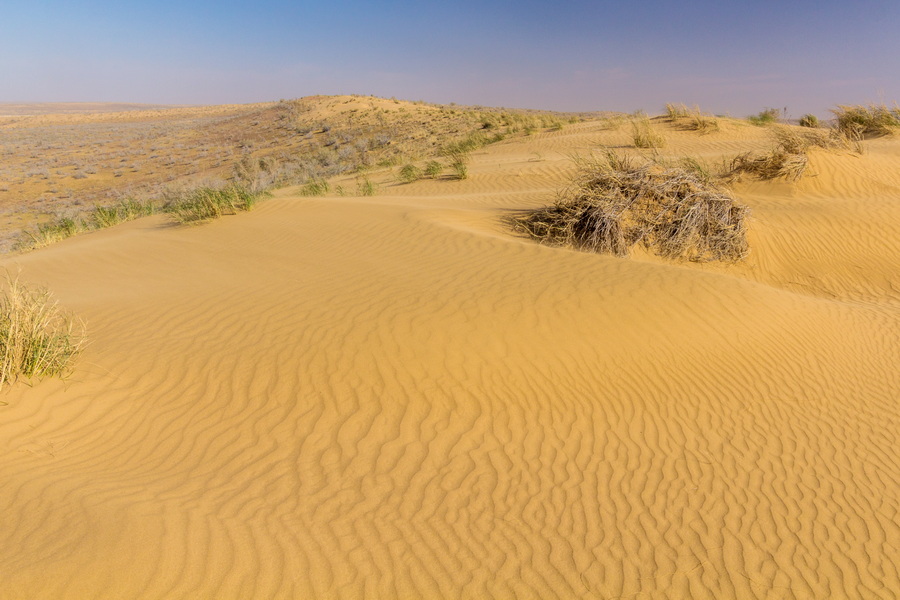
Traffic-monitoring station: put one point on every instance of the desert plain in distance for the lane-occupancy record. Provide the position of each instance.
(378, 389)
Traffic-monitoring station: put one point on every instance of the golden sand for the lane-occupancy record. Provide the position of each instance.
(395, 397)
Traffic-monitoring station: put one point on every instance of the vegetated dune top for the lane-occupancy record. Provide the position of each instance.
(395, 397)
(59, 163)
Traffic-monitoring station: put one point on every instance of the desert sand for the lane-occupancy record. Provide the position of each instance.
(397, 397)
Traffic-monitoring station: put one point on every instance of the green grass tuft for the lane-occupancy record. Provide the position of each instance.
(37, 339)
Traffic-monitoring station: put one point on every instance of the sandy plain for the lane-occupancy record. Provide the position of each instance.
(397, 397)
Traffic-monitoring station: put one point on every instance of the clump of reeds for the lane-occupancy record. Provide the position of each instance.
(867, 121)
(643, 135)
(615, 204)
(205, 203)
(37, 339)
(789, 158)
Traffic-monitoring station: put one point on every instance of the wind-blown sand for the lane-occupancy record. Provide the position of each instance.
(395, 397)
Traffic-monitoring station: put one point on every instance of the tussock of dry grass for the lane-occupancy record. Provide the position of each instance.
(691, 119)
(789, 158)
(36, 338)
(643, 136)
(867, 121)
(615, 204)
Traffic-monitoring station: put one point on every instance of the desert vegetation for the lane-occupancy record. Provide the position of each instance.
(57, 167)
(193, 205)
(691, 119)
(616, 204)
(789, 157)
(37, 339)
(867, 121)
(767, 116)
(808, 120)
(643, 136)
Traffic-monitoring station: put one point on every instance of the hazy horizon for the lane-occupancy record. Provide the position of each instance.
(581, 56)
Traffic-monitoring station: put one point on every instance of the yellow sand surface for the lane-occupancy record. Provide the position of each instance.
(396, 397)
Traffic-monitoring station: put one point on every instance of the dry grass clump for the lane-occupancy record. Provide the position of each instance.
(677, 111)
(643, 136)
(692, 119)
(206, 203)
(809, 120)
(36, 338)
(789, 158)
(873, 120)
(615, 204)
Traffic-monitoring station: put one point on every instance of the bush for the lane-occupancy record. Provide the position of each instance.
(36, 338)
(615, 205)
(811, 121)
(872, 121)
(767, 116)
(788, 158)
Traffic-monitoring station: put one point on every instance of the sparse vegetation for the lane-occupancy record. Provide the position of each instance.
(643, 136)
(873, 120)
(811, 121)
(314, 187)
(206, 203)
(615, 205)
(675, 112)
(433, 169)
(65, 226)
(409, 173)
(788, 159)
(767, 116)
(365, 187)
(37, 339)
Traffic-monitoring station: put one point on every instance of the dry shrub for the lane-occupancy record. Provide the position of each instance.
(36, 338)
(691, 119)
(643, 135)
(867, 121)
(789, 158)
(615, 204)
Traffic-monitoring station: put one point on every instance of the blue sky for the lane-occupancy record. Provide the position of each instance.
(727, 56)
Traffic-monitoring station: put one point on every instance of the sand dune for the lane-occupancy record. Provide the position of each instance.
(394, 397)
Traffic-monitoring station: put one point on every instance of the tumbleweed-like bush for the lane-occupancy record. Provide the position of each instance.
(615, 204)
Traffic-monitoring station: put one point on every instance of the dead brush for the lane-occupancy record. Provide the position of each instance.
(789, 158)
(614, 205)
(874, 120)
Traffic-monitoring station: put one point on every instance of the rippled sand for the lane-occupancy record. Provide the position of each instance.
(394, 397)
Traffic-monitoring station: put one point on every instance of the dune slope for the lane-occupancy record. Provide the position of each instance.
(394, 397)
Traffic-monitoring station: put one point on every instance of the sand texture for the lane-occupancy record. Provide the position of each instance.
(396, 397)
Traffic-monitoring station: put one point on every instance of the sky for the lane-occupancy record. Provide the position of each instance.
(726, 56)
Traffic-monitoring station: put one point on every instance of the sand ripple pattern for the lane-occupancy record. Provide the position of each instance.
(390, 398)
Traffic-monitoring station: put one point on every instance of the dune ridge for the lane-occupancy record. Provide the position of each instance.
(396, 397)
